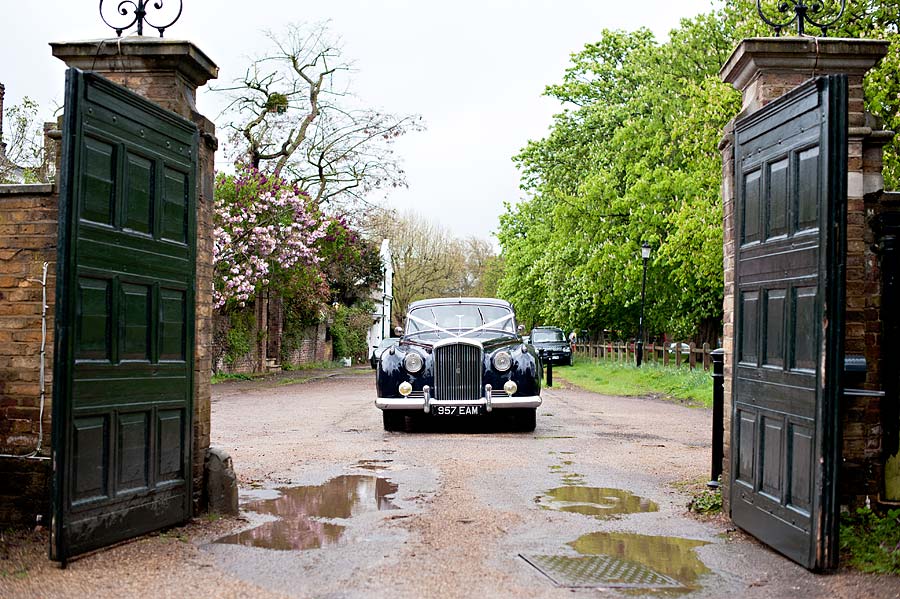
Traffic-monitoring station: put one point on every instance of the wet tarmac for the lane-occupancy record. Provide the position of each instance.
(303, 512)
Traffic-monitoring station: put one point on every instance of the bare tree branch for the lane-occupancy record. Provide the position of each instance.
(289, 115)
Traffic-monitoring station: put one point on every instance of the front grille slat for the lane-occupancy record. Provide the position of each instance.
(464, 384)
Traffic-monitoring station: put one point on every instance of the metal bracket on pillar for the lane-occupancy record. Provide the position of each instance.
(134, 12)
(814, 12)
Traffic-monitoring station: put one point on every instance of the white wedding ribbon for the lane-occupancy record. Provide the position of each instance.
(435, 326)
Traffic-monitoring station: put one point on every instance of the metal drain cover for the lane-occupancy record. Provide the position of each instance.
(599, 571)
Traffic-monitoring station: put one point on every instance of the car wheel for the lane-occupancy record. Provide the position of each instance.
(394, 420)
(525, 419)
(569, 363)
(373, 363)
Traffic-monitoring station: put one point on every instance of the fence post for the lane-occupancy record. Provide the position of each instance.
(718, 416)
(665, 353)
(678, 354)
(692, 357)
(549, 373)
(706, 356)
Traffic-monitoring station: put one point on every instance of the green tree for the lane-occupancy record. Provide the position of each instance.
(22, 155)
(632, 158)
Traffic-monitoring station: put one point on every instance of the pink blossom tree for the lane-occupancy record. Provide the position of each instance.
(265, 230)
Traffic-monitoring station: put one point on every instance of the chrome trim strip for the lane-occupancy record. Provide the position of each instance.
(412, 403)
(457, 340)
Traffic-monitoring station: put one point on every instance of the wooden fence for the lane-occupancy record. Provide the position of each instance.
(692, 356)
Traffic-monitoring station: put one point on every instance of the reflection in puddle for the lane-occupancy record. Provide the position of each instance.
(374, 465)
(669, 556)
(594, 501)
(299, 510)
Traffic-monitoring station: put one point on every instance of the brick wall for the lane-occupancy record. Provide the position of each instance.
(28, 233)
(25, 492)
(728, 191)
(313, 347)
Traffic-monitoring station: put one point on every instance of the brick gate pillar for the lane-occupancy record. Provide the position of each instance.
(764, 69)
(168, 72)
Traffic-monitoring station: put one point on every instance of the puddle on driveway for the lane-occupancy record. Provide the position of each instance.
(625, 561)
(301, 510)
(595, 501)
(671, 556)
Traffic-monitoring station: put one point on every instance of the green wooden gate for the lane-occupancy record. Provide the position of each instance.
(790, 219)
(123, 362)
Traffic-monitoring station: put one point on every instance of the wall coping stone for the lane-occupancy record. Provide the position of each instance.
(810, 56)
(27, 189)
(138, 55)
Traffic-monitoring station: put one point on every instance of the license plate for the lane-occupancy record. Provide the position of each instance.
(455, 410)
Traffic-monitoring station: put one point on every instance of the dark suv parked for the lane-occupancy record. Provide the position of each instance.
(551, 344)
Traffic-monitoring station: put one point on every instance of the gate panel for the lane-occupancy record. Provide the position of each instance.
(790, 211)
(123, 363)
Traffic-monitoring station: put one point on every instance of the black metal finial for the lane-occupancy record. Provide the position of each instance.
(813, 13)
(136, 10)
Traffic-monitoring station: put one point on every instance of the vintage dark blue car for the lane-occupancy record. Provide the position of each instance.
(459, 358)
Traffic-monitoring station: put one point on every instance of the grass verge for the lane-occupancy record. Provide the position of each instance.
(616, 378)
(222, 377)
(324, 365)
(871, 542)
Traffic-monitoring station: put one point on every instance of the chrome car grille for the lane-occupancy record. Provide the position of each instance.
(457, 372)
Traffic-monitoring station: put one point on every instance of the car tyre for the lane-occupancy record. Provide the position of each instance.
(394, 420)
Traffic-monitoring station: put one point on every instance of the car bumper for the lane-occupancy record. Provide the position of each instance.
(418, 403)
(557, 357)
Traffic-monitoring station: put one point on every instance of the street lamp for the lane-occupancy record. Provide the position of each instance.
(639, 353)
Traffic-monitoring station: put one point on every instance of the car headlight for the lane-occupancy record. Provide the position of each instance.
(502, 361)
(510, 387)
(413, 362)
(405, 388)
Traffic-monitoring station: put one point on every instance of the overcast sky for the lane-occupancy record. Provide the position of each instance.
(475, 70)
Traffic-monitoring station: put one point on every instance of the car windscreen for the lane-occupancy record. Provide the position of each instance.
(459, 319)
(546, 336)
(388, 342)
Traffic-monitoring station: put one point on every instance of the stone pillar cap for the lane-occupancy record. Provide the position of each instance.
(138, 54)
(808, 55)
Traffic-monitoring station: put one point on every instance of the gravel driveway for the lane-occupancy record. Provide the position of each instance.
(336, 507)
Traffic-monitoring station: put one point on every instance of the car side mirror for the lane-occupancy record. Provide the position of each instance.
(520, 329)
(398, 331)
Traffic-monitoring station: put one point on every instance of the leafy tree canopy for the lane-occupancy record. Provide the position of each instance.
(633, 157)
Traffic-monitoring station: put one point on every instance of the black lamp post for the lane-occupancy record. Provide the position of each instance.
(639, 353)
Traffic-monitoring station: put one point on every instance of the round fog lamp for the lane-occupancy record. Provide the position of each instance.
(502, 361)
(413, 362)
(405, 388)
(510, 387)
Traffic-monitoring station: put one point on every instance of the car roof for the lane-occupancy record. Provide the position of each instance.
(445, 301)
(543, 327)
